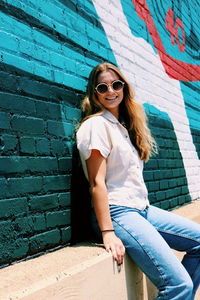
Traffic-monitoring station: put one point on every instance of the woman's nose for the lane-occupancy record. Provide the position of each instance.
(110, 89)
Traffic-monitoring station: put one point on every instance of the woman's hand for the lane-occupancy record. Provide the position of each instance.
(114, 244)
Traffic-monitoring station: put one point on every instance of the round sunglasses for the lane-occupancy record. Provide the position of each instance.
(116, 85)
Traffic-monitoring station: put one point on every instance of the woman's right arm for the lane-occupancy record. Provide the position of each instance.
(96, 167)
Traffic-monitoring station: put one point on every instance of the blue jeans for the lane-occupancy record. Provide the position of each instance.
(148, 236)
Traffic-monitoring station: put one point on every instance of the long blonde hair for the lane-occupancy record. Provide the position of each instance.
(131, 111)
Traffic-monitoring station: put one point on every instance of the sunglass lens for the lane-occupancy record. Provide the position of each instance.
(102, 88)
(117, 85)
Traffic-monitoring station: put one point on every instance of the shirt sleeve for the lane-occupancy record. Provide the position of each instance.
(93, 134)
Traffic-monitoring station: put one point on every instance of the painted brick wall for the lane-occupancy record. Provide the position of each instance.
(47, 49)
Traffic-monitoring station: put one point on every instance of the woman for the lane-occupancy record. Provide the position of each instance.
(114, 141)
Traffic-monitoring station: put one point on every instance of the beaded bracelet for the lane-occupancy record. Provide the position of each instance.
(107, 230)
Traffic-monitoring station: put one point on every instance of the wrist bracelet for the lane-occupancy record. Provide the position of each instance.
(107, 230)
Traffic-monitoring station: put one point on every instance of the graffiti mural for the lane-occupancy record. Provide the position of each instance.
(172, 17)
(154, 50)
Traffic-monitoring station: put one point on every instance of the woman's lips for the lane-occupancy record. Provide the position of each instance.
(110, 99)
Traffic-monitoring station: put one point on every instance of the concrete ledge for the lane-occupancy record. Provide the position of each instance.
(81, 272)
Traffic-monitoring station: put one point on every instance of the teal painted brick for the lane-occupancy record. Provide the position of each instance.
(65, 164)
(182, 181)
(163, 184)
(152, 197)
(176, 172)
(11, 164)
(82, 69)
(157, 204)
(82, 40)
(173, 202)
(152, 164)
(60, 129)
(45, 40)
(27, 124)
(42, 146)
(165, 204)
(71, 113)
(160, 195)
(10, 41)
(162, 154)
(13, 250)
(27, 145)
(4, 120)
(6, 231)
(187, 198)
(44, 240)
(39, 222)
(157, 174)
(45, 202)
(20, 249)
(167, 174)
(148, 175)
(70, 80)
(18, 62)
(13, 207)
(178, 190)
(26, 47)
(20, 186)
(162, 163)
(181, 200)
(7, 84)
(24, 226)
(61, 61)
(42, 164)
(48, 110)
(179, 181)
(56, 183)
(29, 225)
(64, 199)
(170, 154)
(171, 163)
(58, 218)
(37, 52)
(179, 163)
(58, 147)
(172, 183)
(182, 172)
(153, 186)
(69, 145)
(17, 103)
(39, 89)
(66, 234)
(8, 142)
(3, 187)
(171, 193)
(4, 257)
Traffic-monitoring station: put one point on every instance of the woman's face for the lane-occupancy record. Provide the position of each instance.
(111, 99)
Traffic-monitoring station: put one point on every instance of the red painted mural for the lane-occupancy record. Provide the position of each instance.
(175, 68)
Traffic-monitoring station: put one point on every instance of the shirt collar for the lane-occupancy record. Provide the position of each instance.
(109, 116)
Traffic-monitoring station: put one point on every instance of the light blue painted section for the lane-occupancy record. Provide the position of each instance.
(33, 51)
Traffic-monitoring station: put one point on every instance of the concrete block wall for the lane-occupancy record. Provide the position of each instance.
(47, 49)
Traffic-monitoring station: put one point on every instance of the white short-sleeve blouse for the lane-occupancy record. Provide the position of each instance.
(124, 177)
